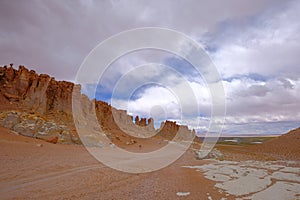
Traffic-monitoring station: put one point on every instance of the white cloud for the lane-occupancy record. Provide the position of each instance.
(149, 99)
(243, 38)
(258, 101)
(269, 46)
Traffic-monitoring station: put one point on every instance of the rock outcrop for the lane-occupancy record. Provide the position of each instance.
(32, 125)
(169, 129)
(40, 93)
(213, 154)
(25, 90)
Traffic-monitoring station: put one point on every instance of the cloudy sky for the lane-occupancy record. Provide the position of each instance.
(254, 45)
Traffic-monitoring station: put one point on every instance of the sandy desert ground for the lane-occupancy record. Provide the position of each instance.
(35, 169)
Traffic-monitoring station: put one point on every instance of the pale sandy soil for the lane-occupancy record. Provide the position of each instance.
(56, 171)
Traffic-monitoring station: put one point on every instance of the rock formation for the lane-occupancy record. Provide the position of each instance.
(32, 125)
(169, 129)
(39, 93)
(25, 90)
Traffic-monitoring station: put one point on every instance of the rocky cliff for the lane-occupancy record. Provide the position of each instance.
(39, 93)
(25, 90)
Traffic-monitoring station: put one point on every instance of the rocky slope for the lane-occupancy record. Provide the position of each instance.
(24, 95)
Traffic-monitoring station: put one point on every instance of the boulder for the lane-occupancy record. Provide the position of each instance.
(52, 140)
(213, 154)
